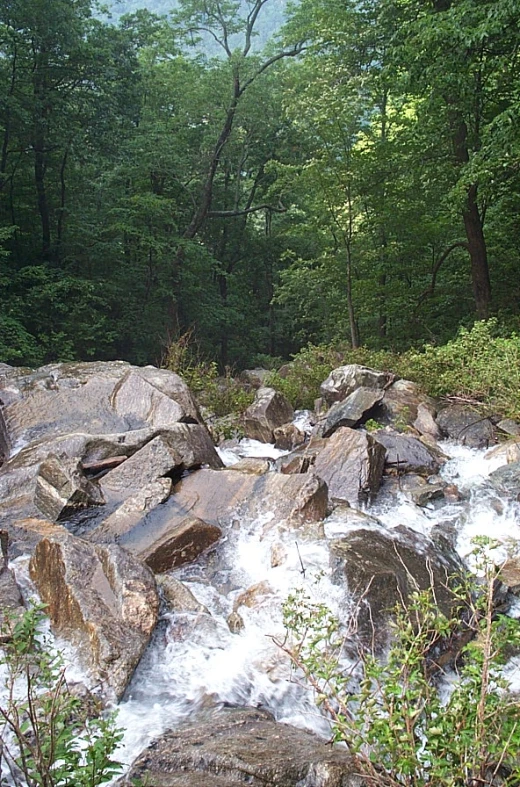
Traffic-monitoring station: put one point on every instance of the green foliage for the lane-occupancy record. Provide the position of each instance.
(393, 718)
(49, 739)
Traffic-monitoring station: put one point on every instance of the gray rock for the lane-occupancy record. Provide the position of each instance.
(62, 489)
(351, 410)
(178, 597)
(101, 599)
(242, 746)
(269, 411)
(344, 380)
(407, 454)
(508, 426)
(506, 479)
(132, 511)
(351, 464)
(425, 421)
(251, 464)
(466, 425)
(255, 377)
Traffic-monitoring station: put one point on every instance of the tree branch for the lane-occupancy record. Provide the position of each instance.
(436, 268)
(225, 214)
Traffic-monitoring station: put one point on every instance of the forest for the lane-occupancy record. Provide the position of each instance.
(356, 180)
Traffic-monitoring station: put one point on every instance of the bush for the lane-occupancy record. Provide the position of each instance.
(48, 738)
(393, 719)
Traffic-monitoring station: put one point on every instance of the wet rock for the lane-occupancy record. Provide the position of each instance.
(62, 488)
(220, 497)
(251, 465)
(509, 452)
(235, 623)
(350, 411)
(254, 596)
(11, 601)
(178, 597)
(407, 454)
(278, 555)
(101, 599)
(510, 574)
(424, 494)
(466, 425)
(288, 437)
(344, 380)
(182, 447)
(242, 746)
(181, 544)
(132, 511)
(383, 567)
(506, 479)
(96, 398)
(301, 460)
(269, 411)
(351, 464)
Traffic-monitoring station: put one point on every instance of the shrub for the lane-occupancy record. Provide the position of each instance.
(393, 719)
(48, 738)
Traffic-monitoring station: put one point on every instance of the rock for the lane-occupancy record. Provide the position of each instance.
(254, 596)
(183, 447)
(288, 437)
(221, 496)
(407, 454)
(178, 597)
(62, 488)
(252, 465)
(506, 480)
(425, 421)
(509, 451)
(11, 600)
(466, 425)
(239, 746)
(97, 398)
(235, 623)
(350, 411)
(351, 464)
(510, 427)
(131, 512)
(101, 599)
(182, 544)
(255, 377)
(344, 380)
(509, 574)
(422, 495)
(269, 411)
(278, 555)
(383, 567)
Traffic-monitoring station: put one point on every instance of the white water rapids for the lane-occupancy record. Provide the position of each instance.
(194, 659)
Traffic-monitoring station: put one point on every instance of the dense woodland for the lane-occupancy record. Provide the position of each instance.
(356, 180)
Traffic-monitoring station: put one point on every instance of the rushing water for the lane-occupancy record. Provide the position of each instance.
(195, 661)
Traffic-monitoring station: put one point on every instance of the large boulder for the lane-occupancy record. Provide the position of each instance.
(179, 545)
(132, 512)
(351, 463)
(466, 425)
(344, 380)
(269, 411)
(407, 454)
(383, 567)
(350, 411)
(101, 599)
(62, 488)
(96, 398)
(242, 746)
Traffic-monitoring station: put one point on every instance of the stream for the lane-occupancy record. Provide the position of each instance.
(195, 661)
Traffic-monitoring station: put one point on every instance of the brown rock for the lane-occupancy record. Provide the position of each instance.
(252, 465)
(181, 544)
(254, 596)
(269, 411)
(100, 598)
(351, 464)
(288, 437)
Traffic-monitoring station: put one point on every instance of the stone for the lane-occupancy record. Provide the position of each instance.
(235, 623)
(255, 377)
(508, 451)
(182, 544)
(407, 454)
(269, 411)
(466, 425)
(101, 599)
(254, 596)
(509, 574)
(352, 410)
(62, 488)
(382, 567)
(238, 746)
(344, 380)
(510, 427)
(422, 495)
(138, 398)
(425, 421)
(288, 437)
(219, 497)
(351, 463)
(506, 480)
(132, 511)
(182, 447)
(252, 465)
(178, 597)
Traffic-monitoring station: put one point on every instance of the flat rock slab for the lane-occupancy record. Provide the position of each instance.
(350, 411)
(408, 454)
(101, 599)
(97, 398)
(351, 463)
(239, 747)
(182, 544)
